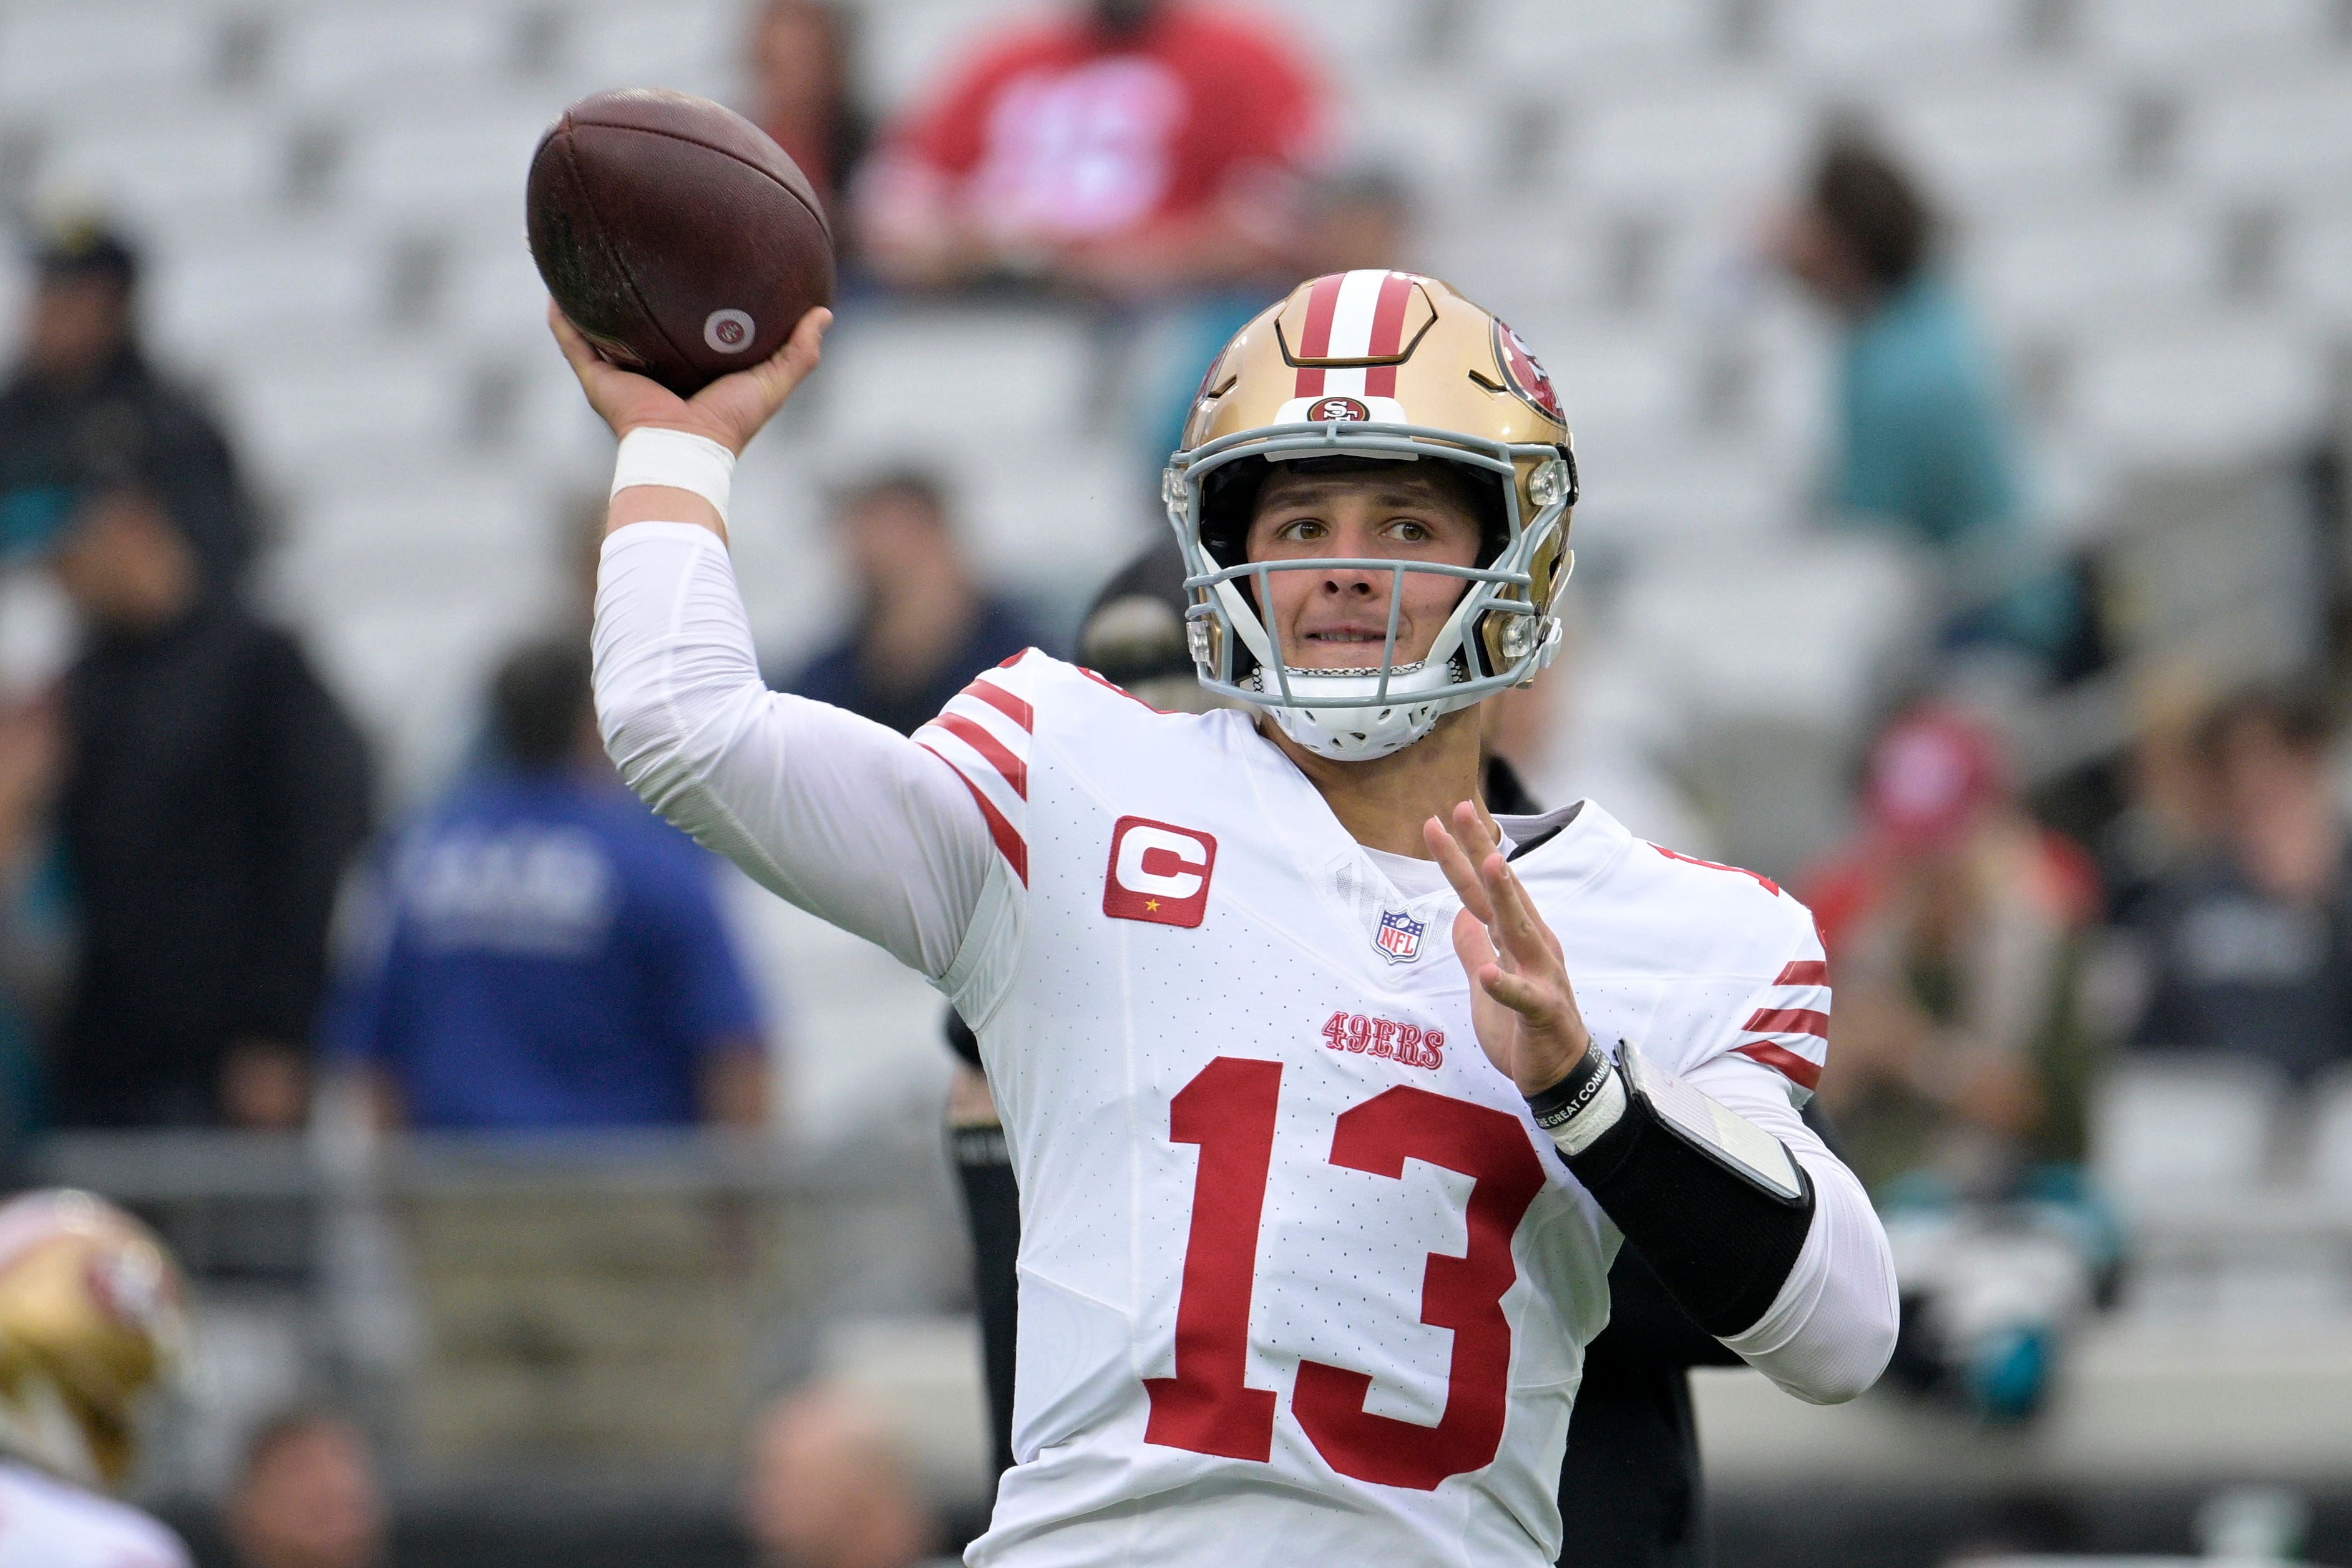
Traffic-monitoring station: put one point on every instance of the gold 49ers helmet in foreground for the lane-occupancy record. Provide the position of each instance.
(92, 1315)
(1378, 366)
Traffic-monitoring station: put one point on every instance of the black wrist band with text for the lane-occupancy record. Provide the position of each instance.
(1558, 1105)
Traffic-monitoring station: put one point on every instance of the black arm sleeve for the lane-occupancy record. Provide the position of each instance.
(1721, 1246)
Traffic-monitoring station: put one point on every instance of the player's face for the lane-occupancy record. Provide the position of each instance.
(1338, 619)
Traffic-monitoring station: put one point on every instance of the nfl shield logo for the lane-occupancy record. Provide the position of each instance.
(1400, 938)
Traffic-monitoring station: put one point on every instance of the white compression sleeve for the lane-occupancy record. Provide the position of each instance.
(1829, 1332)
(850, 821)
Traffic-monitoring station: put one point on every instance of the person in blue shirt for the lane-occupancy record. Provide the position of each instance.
(551, 955)
(925, 624)
(1925, 444)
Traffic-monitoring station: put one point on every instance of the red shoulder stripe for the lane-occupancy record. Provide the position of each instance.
(1004, 702)
(1789, 1020)
(1804, 972)
(1111, 685)
(1796, 1069)
(1009, 843)
(976, 736)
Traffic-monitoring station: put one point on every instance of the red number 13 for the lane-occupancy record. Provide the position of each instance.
(1228, 1109)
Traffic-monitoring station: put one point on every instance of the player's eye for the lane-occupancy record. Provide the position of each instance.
(1410, 531)
(1301, 529)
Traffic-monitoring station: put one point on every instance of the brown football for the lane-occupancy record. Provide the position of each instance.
(676, 234)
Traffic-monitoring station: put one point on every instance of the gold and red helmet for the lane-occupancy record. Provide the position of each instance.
(1390, 367)
(92, 1315)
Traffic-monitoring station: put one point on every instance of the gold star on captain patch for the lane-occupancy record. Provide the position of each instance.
(1151, 906)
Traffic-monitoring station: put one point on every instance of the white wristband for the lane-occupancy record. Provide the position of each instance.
(679, 460)
(1581, 1131)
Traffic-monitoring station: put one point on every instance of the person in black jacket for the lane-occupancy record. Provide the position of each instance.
(214, 792)
(84, 398)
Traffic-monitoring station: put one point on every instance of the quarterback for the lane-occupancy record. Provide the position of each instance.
(1316, 1219)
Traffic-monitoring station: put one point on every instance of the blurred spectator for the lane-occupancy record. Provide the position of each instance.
(2248, 949)
(308, 1497)
(802, 94)
(924, 625)
(2170, 814)
(1926, 447)
(1953, 926)
(1956, 928)
(1131, 147)
(552, 955)
(84, 398)
(31, 965)
(828, 1488)
(214, 793)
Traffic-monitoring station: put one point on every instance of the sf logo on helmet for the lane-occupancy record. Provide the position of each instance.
(1333, 409)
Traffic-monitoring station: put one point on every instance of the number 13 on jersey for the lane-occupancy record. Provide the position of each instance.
(1228, 1112)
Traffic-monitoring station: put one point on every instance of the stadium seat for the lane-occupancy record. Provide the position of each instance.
(2152, 259)
(2330, 1142)
(463, 160)
(2203, 391)
(1733, 139)
(958, 378)
(159, 169)
(1864, 41)
(692, 46)
(2168, 1129)
(343, 55)
(2190, 37)
(1443, 141)
(76, 54)
(1579, 50)
(304, 415)
(1984, 143)
(2315, 269)
(285, 283)
(2285, 133)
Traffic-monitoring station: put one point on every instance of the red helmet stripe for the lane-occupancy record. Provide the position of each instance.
(1388, 333)
(1322, 303)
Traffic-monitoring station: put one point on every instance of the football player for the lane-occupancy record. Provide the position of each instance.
(91, 1317)
(1315, 1223)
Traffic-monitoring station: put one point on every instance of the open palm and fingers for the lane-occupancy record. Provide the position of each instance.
(729, 411)
(1520, 998)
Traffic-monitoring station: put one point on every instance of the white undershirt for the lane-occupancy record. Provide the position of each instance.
(861, 827)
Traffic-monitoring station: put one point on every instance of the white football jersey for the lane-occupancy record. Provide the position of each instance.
(45, 1523)
(1300, 1279)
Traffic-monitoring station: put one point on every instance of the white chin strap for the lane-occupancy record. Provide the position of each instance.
(1361, 734)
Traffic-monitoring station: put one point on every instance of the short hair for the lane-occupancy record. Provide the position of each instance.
(2298, 716)
(1873, 205)
(539, 699)
(918, 487)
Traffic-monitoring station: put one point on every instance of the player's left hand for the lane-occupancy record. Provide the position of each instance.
(1520, 998)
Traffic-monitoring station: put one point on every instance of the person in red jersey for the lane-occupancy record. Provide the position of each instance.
(1135, 147)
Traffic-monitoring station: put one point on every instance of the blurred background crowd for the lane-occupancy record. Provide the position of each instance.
(1961, 394)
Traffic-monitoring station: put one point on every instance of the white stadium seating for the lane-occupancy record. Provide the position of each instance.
(327, 184)
(74, 55)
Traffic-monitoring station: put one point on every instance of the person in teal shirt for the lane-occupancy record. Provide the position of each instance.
(1926, 447)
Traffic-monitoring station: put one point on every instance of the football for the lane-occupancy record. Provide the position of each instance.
(676, 234)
